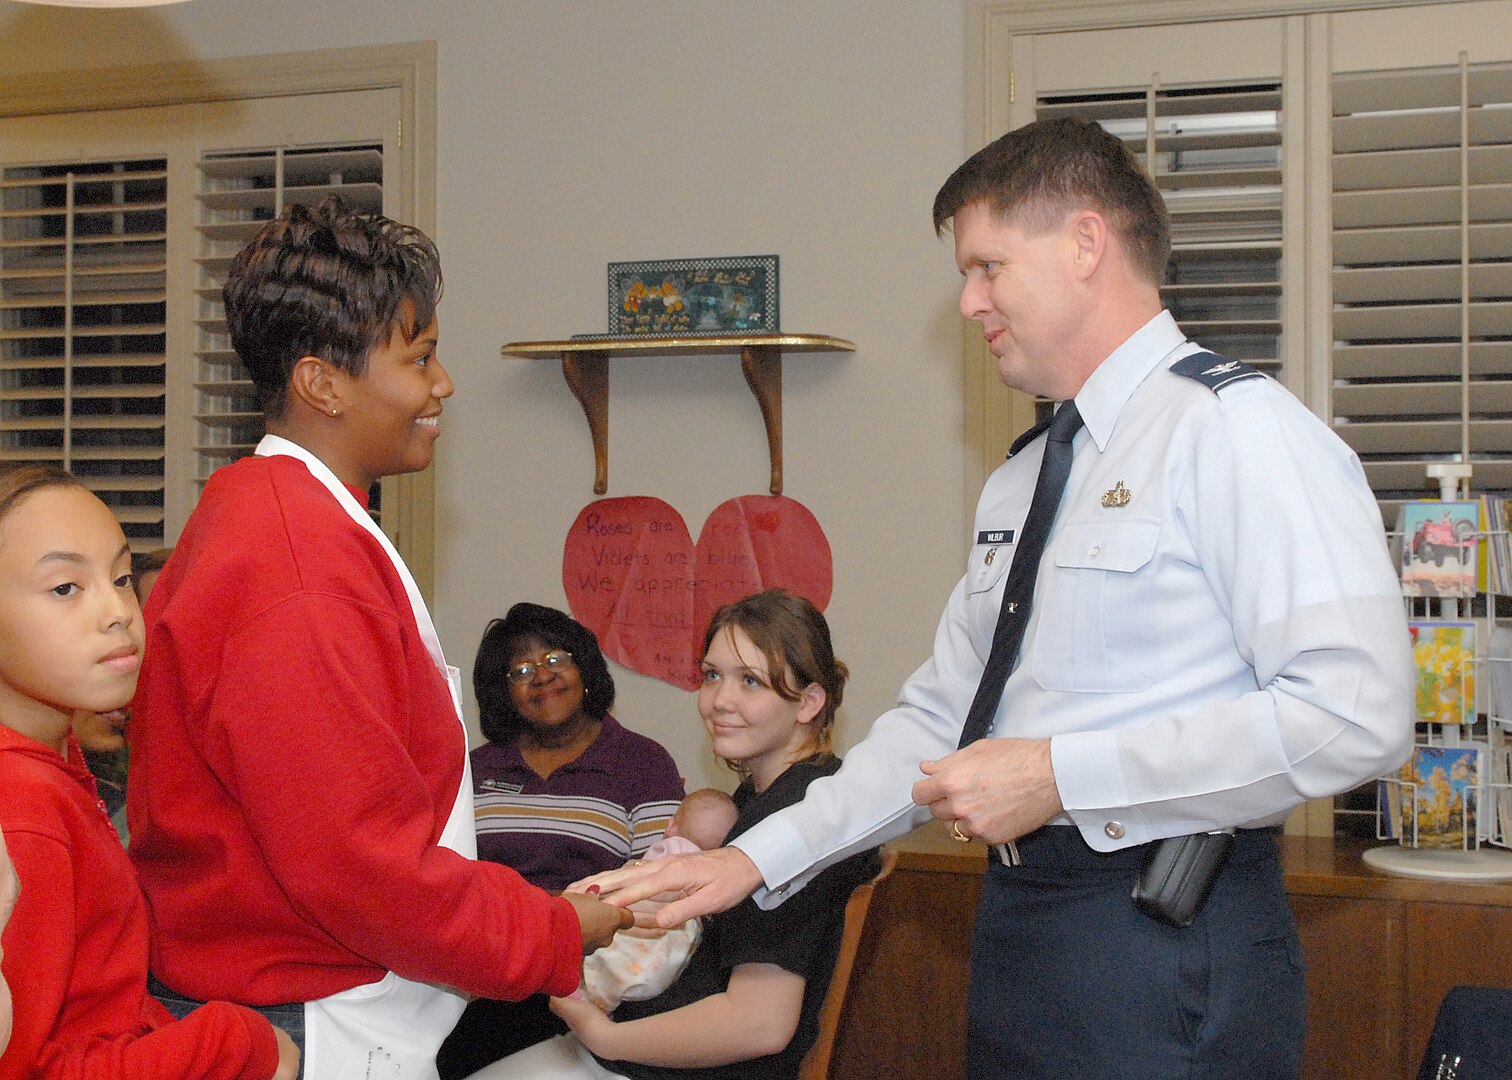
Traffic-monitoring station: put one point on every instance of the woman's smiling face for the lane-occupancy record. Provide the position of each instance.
(549, 698)
(390, 415)
(748, 721)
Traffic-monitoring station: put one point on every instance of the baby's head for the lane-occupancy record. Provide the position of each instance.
(705, 817)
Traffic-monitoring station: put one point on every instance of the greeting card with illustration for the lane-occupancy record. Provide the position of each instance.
(1440, 542)
(1500, 790)
(1438, 793)
(1444, 653)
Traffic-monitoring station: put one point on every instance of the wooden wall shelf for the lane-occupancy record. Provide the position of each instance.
(585, 366)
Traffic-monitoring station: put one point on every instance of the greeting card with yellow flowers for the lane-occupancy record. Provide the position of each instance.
(1445, 656)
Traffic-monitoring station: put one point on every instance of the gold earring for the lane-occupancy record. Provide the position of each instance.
(334, 412)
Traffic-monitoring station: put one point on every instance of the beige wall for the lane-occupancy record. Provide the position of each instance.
(573, 133)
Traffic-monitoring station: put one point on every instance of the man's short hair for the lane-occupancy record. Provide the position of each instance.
(1039, 173)
(330, 282)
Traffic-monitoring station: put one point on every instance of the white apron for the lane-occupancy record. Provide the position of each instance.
(390, 1029)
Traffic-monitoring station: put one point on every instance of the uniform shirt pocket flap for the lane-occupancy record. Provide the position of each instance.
(987, 568)
(1123, 547)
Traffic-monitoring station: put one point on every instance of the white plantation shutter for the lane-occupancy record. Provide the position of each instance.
(1422, 277)
(82, 329)
(134, 355)
(1215, 154)
(116, 231)
(239, 191)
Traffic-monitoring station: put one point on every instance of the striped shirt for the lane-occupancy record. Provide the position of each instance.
(592, 814)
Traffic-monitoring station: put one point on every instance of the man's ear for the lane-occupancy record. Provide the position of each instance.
(1089, 236)
(313, 384)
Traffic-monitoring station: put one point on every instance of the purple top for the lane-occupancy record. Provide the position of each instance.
(590, 815)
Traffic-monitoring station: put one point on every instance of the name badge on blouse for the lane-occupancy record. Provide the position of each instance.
(502, 785)
(995, 537)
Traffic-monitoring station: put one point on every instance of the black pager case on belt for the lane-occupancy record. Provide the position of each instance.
(1178, 874)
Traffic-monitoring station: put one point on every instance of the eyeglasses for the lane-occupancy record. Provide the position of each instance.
(553, 662)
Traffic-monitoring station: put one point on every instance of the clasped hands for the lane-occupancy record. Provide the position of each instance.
(994, 789)
(601, 921)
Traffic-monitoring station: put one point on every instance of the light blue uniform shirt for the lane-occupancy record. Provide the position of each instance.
(1217, 632)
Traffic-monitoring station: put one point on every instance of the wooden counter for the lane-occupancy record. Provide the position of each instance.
(1381, 952)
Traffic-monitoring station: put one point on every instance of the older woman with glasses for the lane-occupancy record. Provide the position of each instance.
(561, 791)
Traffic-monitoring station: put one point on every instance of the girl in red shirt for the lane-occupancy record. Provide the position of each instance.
(75, 949)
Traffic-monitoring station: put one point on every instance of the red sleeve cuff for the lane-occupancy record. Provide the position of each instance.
(567, 932)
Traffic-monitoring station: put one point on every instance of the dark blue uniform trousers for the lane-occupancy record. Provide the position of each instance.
(1069, 979)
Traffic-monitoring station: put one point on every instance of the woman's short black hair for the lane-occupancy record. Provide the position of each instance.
(327, 281)
(554, 629)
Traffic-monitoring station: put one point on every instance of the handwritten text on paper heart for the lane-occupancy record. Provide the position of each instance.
(634, 577)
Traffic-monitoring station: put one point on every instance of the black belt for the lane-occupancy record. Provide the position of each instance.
(1063, 846)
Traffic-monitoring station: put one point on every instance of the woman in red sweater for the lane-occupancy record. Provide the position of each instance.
(298, 799)
(76, 947)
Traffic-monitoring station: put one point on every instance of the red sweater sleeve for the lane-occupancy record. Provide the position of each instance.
(311, 725)
(64, 1029)
(218, 1041)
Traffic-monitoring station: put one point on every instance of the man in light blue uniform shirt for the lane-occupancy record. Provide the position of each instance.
(1216, 635)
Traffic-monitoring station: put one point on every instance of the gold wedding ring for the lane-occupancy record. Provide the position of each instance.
(955, 831)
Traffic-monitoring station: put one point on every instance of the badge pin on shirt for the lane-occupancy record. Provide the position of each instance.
(1119, 496)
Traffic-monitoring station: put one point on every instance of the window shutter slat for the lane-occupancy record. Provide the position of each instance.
(1388, 91)
(1398, 359)
(83, 311)
(1414, 399)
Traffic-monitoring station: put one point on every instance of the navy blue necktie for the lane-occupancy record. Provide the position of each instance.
(1018, 593)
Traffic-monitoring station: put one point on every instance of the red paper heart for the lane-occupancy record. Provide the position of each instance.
(634, 577)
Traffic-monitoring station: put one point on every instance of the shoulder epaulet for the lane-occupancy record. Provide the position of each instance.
(1029, 436)
(1214, 371)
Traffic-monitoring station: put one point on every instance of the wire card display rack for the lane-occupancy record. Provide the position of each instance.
(1448, 813)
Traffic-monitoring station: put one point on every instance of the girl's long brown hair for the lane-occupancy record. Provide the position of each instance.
(794, 637)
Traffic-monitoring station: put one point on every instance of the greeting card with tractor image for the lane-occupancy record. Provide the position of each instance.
(1440, 542)
(1444, 653)
(1438, 793)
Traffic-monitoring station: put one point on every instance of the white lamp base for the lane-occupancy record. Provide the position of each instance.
(1483, 864)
